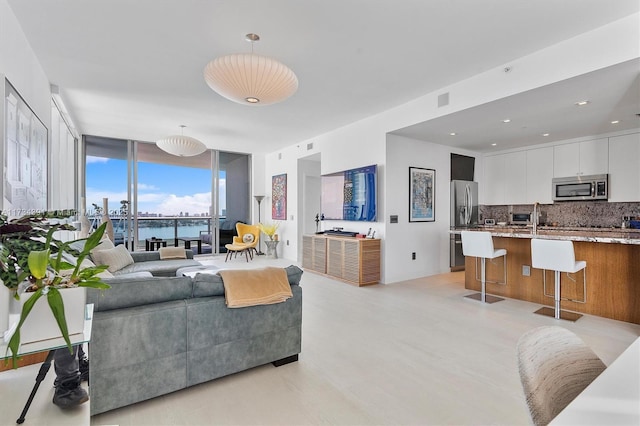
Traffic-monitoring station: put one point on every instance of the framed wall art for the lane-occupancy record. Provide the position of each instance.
(25, 156)
(422, 194)
(279, 197)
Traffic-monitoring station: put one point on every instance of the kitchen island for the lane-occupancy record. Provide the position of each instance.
(613, 269)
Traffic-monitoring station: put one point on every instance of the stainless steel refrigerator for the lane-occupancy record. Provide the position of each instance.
(464, 214)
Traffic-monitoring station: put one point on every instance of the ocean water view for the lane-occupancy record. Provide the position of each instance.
(155, 229)
(168, 232)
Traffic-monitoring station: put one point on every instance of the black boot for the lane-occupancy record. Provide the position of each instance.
(70, 394)
(84, 369)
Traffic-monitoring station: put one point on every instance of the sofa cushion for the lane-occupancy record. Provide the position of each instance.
(132, 275)
(86, 263)
(105, 244)
(294, 274)
(115, 258)
(158, 268)
(207, 285)
(228, 225)
(248, 238)
(126, 293)
(146, 256)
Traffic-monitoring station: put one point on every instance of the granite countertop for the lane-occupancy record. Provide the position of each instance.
(594, 235)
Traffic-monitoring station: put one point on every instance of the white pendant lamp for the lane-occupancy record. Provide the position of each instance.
(251, 79)
(181, 145)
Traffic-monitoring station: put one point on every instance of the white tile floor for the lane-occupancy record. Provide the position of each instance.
(415, 352)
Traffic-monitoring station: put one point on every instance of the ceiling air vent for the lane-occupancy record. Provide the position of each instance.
(309, 146)
(443, 100)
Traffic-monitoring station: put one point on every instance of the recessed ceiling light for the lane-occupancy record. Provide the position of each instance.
(615, 122)
(545, 134)
(506, 120)
(452, 134)
(582, 103)
(494, 144)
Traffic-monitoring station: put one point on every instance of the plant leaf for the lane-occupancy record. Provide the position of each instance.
(94, 239)
(38, 261)
(94, 283)
(14, 342)
(57, 309)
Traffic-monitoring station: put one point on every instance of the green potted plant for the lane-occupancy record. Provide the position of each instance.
(269, 230)
(32, 260)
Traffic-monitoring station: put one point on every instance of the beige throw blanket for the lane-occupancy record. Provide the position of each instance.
(255, 287)
(172, 253)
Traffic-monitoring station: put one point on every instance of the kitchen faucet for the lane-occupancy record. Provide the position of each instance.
(536, 217)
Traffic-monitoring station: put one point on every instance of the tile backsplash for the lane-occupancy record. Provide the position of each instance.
(570, 213)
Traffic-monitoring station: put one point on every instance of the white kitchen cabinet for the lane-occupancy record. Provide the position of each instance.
(515, 173)
(581, 158)
(539, 171)
(624, 170)
(494, 177)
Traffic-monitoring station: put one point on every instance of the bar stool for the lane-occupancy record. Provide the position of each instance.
(480, 245)
(557, 256)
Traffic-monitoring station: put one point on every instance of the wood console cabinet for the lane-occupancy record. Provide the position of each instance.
(354, 260)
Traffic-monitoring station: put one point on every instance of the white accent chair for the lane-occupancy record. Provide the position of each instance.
(557, 256)
(479, 244)
(555, 365)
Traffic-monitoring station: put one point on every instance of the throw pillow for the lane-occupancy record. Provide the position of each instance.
(86, 263)
(116, 258)
(247, 238)
(105, 244)
(172, 253)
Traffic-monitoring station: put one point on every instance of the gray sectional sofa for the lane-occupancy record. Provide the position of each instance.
(156, 335)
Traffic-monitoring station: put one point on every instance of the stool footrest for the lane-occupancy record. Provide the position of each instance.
(488, 298)
(565, 315)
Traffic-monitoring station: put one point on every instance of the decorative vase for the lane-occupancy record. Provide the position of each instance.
(40, 324)
(85, 226)
(272, 248)
(106, 219)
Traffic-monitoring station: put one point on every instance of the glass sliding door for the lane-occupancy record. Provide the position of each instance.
(157, 196)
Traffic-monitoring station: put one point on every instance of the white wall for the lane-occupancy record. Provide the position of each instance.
(365, 142)
(429, 240)
(21, 67)
(309, 196)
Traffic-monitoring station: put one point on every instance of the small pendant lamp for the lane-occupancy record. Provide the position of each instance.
(181, 145)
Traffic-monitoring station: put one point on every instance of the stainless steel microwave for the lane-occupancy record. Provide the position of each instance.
(520, 218)
(581, 188)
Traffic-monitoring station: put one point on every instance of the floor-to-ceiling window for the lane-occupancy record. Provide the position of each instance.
(173, 194)
(155, 195)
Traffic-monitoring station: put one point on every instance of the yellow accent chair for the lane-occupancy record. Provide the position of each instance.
(246, 241)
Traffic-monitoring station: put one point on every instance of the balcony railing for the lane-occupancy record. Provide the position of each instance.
(169, 228)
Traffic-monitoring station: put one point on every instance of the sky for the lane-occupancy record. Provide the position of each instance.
(163, 189)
